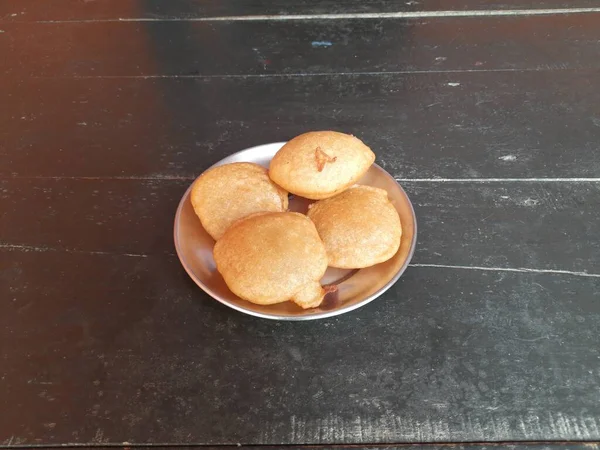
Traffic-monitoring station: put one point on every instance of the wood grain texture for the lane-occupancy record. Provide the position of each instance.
(320, 46)
(491, 335)
(449, 446)
(542, 226)
(449, 125)
(31, 10)
(129, 350)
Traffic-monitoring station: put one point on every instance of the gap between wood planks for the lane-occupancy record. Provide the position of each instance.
(43, 249)
(312, 74)
(339, 16)
(510, 269)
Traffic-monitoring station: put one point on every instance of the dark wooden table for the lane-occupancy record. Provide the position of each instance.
(488, 112)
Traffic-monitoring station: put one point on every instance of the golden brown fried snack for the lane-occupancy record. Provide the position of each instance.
(359, 227)
(224, 194)
(320, 164)
(269, 258)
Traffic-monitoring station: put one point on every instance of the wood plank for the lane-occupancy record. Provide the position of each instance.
(321, 46)
(31, 10)
(472, 446)
(542, 226)
(112, 349)
(449, 125)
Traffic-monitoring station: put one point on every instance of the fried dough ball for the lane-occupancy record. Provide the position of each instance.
(320, 164)
(359, 227)
(224, 194)
(270, 258)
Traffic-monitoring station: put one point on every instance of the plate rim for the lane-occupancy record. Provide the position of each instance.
(321, 315)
